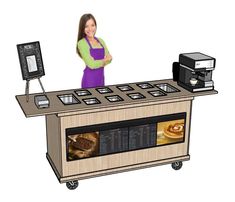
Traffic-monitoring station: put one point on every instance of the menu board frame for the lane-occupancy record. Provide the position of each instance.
(31, 63)
(104, 128)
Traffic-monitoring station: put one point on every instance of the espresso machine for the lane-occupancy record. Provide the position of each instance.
(195, 71)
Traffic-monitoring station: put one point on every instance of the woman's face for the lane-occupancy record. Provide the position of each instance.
(90, 28)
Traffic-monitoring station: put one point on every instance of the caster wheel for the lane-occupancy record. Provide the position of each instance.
(177, 165)
(72, 184)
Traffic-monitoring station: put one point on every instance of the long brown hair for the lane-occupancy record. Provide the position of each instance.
(81, 28)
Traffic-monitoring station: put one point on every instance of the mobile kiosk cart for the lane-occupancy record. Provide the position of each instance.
(104, 130)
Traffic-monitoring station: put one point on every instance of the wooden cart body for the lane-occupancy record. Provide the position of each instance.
(60, 117)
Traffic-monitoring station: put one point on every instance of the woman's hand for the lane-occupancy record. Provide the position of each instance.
(108, 58)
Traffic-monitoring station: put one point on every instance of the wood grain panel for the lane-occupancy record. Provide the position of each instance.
(125, 158)
(54, 143)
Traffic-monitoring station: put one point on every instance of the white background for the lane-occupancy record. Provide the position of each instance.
(144, 38)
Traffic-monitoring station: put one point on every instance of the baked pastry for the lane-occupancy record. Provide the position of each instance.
(83, 143)
(174, 131)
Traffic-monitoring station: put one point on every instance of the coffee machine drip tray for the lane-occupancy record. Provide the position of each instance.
(195, 88)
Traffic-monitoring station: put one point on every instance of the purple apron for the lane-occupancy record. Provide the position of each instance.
(94, 77)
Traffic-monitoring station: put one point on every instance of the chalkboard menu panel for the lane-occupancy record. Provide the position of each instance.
(142, 136)
(30, 60)
(112, 141)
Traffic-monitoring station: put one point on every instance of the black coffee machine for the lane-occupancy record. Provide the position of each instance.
(194, 71)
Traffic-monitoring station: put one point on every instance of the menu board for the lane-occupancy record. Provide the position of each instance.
(93, 141)
(30, 60)
(112, 141)
(142, 136)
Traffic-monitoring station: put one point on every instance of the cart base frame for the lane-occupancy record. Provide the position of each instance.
(83, 176)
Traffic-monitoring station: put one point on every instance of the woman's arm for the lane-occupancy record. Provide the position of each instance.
(108, 57)
(84, 50)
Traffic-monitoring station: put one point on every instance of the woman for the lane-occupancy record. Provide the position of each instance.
(93, 51)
